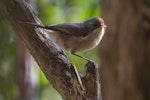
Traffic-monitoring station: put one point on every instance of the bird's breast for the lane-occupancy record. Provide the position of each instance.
(76, 44)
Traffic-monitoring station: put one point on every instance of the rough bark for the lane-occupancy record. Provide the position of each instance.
(51, 59)
(125, 50)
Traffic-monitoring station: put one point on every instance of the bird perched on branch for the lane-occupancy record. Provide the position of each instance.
(76, 37)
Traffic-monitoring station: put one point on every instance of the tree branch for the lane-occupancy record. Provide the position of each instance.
(51, 59)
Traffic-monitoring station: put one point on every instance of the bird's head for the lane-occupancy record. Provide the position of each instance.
(94, 23)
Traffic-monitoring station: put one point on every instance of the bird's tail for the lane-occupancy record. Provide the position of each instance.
(32, 24)
(55, 28)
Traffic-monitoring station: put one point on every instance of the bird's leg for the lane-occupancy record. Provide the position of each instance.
(88, 60)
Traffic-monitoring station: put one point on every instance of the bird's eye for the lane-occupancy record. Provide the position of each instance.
(96, 25)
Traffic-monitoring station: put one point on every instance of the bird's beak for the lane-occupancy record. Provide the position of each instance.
(103, 25)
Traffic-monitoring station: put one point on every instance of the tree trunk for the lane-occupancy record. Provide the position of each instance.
(125, 50)
(51, 59)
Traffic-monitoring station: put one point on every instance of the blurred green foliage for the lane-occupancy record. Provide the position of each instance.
(60, 11)
(8, 62)
(50, 12)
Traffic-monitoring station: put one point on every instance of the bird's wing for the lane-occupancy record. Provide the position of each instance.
(76, 29)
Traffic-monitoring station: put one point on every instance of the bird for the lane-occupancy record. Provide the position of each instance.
(77, 37)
